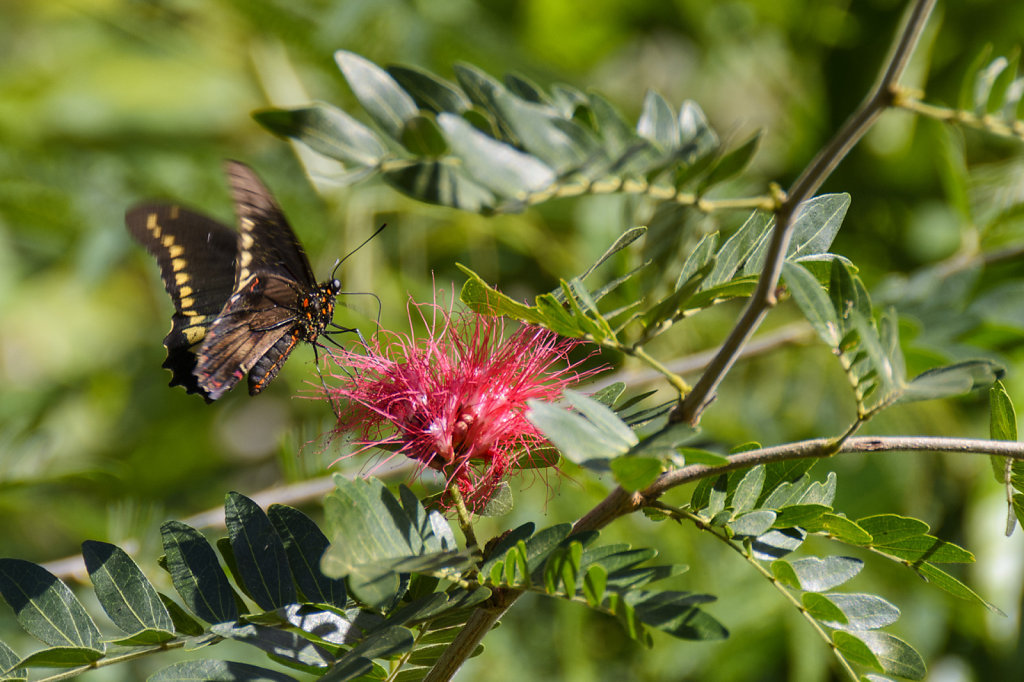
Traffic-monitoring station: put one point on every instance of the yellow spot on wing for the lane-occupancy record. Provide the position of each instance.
(178, 264)
(180, 278)
(152, 225)
(175, 250)
(184, 292)
(194, 334)
(187, 303)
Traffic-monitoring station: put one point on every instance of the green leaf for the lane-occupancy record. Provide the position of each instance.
(731, 163)
(813, 301)
(304, 545)
(495, 165)
(124, 592)
(1003, 417)
(383, 643)
(676, 613)
(696, 136)
(841, 528)
(984, 82)
(966, 98)
(664, 443)
(146, 637)
(951, 380)
(500, 502)
(814, 227)
(777, 543)
(698, 456)
(596, 434)
(423, 137)
(1003, 426)
(277, 642)
(753, 523)
(658, 123)
(846, 611)
(8, 660)
(944, 581)
(778, 479)
(635, 473)
(61, 657)
(483, 298)
(800, 515)
(46, 608)
(429, 91)
(701, 255)
(326, 130)
(895, 656)
(196, 574)
(671, 304)
(611, 126)
(373, 537)
(813, 574)
(385, 101)
(211, 670)
(259, 553)
(594, 582)
(183, 623)
(737, 249)
(609, 394)
(855, 650)
(749, 490)
(906, 538)
(442, 183)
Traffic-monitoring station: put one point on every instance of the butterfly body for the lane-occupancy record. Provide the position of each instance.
(243, 300)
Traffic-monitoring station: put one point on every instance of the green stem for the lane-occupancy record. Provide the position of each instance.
(903, 100)
(677, 381)
(113, 660)
(465, 518)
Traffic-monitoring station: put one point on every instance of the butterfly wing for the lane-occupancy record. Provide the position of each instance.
(263, 320)
(266, 242)
(197, 263)
(253, 333)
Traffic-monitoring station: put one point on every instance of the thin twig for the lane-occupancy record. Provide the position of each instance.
(803, 188)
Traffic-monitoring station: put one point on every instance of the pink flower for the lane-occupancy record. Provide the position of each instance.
(455, 400)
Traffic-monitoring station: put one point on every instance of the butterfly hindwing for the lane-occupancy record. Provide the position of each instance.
(252, 323)
(196, 256)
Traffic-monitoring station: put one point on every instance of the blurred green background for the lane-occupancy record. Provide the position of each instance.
(104, 103)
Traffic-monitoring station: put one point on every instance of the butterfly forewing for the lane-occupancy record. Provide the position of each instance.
(197, 263)
(266, 240)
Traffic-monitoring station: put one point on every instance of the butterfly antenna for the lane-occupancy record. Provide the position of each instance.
(337, 264)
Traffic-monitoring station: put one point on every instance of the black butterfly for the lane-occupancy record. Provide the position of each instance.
(242, 300)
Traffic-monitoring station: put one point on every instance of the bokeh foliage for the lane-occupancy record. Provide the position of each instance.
(105, 102)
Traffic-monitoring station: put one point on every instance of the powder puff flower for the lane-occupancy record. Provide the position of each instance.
(454, 400)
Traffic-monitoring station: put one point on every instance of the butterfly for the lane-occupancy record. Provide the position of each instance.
(243, 300)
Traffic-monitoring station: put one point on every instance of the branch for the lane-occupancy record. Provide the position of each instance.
(804, 187)
(620, 502)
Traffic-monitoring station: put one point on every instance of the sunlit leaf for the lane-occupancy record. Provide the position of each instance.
(326, 130)
(846, 611)
(383, 99)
